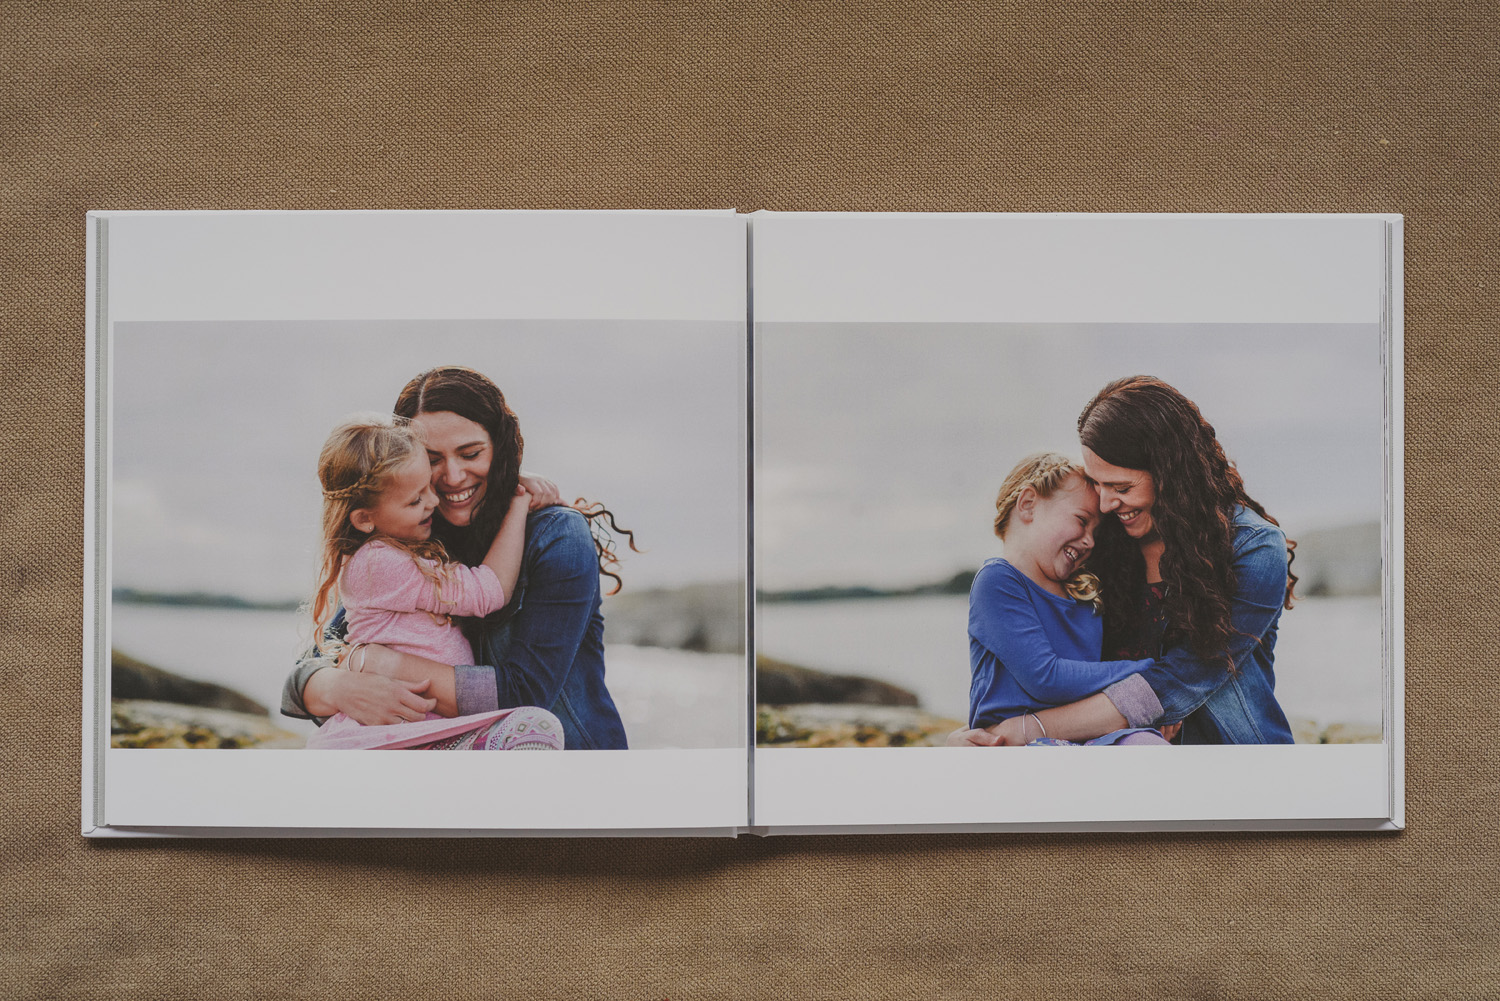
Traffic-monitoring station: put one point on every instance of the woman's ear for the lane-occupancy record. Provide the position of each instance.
(1026, 504)
(363, 520)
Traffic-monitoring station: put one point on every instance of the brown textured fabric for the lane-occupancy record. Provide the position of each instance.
(1280, 106)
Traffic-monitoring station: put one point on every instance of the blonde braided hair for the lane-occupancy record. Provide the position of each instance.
(1045, 472)
(364, 485)
(356, 463)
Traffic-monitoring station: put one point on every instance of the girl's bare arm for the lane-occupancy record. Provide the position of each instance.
(381, 662)
(1082, 720)
(505, 553)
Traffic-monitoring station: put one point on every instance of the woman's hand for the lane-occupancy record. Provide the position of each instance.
(970, 738)
(544, 492)
(522, 501)
(1007, 733)
(368, 698)
(1012, 732)
(1170, 730)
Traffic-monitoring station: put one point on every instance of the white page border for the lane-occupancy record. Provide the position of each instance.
(839, 267)
(580, 791)
(210, 266)
(985, 268)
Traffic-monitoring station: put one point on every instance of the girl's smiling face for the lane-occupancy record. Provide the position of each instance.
(1057, 532)
(404, 508)
(1128, 494)
(459, 453)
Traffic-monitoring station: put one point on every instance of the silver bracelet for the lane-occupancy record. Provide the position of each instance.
(1038, 724)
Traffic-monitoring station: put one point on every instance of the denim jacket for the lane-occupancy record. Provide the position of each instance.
(1218, 706)
(544, 648)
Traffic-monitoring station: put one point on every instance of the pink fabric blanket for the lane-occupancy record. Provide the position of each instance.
(341, 733)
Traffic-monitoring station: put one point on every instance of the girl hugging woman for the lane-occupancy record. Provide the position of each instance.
(398, 588)
(543, 648)
(1035, 632)
(1196, 577)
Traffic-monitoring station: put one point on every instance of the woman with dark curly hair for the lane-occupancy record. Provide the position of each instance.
(1195, 575)
(546, 646)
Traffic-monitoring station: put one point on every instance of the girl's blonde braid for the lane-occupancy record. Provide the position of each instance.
(1045, 472)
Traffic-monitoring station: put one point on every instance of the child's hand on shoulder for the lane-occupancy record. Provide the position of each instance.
(544, 492)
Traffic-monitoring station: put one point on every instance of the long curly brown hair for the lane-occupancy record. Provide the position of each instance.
(1142, 423)
(469, 394)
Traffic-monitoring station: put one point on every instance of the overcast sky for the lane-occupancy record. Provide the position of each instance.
(217, 429)
(881, 447)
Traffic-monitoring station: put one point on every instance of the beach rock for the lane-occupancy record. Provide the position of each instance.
(1338, 561)
(134, 679)
(1306, 731)
(141, 723)
(1352, 733)
(778, 683)
(1310, 731)
(850, 726)
(706, 618)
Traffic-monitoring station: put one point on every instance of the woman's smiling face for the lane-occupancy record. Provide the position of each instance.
(460, 453)
(1128, 494)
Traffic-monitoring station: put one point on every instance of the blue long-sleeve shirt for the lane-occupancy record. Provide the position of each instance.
(1030, 649)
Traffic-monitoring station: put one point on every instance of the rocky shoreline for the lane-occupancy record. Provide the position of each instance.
(801, 707)
(155, 708)
(144, 723)
(845, 725)
(854, 725)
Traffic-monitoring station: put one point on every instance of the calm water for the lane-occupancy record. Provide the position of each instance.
(667, 698)
(1327, 652)
(1327, 660)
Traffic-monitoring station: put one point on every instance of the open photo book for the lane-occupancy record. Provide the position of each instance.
(789, 522)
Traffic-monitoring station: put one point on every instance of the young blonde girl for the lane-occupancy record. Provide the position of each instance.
(1034, 632)
(398, 588)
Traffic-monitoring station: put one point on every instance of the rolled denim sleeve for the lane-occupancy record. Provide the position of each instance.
(296, 683)
(474, 689)
(1183, 681)
(293, 689)
(1135, 700)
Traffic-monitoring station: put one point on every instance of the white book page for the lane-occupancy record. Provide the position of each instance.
(222, 349)
(904, 363)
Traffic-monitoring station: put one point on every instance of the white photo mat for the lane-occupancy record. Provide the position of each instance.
(424, 266)
(1095, 269)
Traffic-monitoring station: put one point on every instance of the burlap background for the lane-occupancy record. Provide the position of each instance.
(1281, 106)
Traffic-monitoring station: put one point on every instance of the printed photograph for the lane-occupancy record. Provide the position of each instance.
(996, 535)
(455, 535)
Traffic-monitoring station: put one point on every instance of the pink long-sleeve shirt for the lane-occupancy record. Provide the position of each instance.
(388, 600)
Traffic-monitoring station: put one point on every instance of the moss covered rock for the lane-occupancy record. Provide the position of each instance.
(141, 723)
(817, 725)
